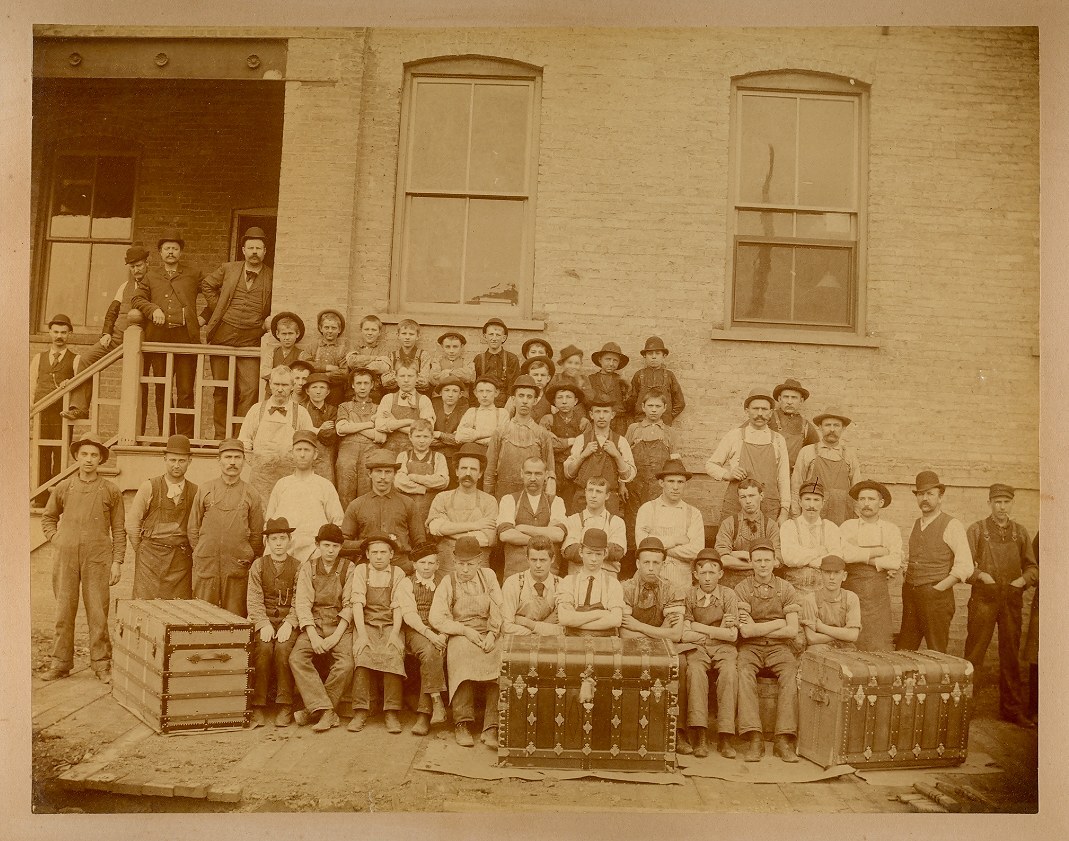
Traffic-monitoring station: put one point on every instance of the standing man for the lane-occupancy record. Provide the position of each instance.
(597, 517)
(304, 498)
(528, 514)
(741, 530)
(872, 549)
(939, 557)
(679, 525)
(239, 299)
(158, 525)
(48, 371)
(226, 527)
(834, 464)
(787, 418)
(513, 442)
(753, 451)
(1005, 565)
(84, 521)
(600, 452)
(267, 432)
(465, 511)
(167, 298)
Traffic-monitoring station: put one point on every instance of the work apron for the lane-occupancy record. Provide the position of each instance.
(467, 661)
(835, 476)
(673, 570)
(535, 607)
(223, 556)
(870, 585)
(759, 462)
(713, 616)
(517, 444)
(163, 568)
(650, 457)
(379, 655)
(398, 440)
(834, 614)
(265, 469)
(328, 587)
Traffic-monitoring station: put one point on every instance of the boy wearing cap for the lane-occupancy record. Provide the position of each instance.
(324, 417)
(157, 525)
(677, 524)
(938, 558)
(516, 440)
(83, 520)
(594, 515)
(541, 370)
(225, 532)
(536, 347)
(467, 609)
(330, 353)
(416, 593)
(768, 624)
(409, 354)
(711, 624)
(753, 451)
(288, 329)
(1005, 565)
(357, 436)
(529, 597)
(602, 453)
(738, 532)
(607, 384)
(267, 432)
(479, 422)
(590, 601)
(449, 407)
(787, 418)
(49, 370)
(807, 538)
(399, 408)
(325, 616)
(502, 366)
(464, 511)
(378, 644)
(271, 593)
(566, 422)
(655, 375)
(450, 362)
(872, 549)
(421, 471)
(831, 615)
(529, 514)
(833, 463)
(304, 497)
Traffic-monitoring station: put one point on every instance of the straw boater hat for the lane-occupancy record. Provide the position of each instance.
(651, 544)
(536, 340)
(525, 368)
(277, 525)
(673, 467)
(610, 347)
(790, 384)
(653, 343)
(551, 392)
(287, 314)
(832, 412)
(926, 480)
(758, 394)
(452, 334)
(871, 485)
(334, 312)
(95, 441)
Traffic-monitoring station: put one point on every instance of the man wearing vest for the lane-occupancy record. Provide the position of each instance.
(1005, 565)
(528, 514)
(741, 530)
(116, 320)
(168, 301)
(239, 298)
(157, 525)
(938, 558)
(787, 418)
(48, 371)
(602, 453)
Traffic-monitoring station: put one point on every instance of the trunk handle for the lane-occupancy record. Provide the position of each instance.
(221, 656)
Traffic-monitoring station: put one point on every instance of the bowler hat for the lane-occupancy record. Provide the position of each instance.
(449, 379)
(1000, 491)
(302, 363)
(492, 321)
(610, 347)
(423, 550)
(926, 480)
(536, 340)
(170, 235)
(653, 343)
(467, 548)
(871, 485)
(597, 539)
(758, 394)
(231, 444)
(764, 543)
(651, 544)
(707, 555)
(278, 525)
(523, 381)
(135, 254)
(673, 467)
(331, 532)
(378, 537)
(287, 314)
(568, 352)
(790, 384)
(335, 313)
(255, 233)
(304, 436)
(552, 390)
(177, 444)
(832, 563)
(831, 412)
(381, 458)
(470, 451)
(95, 441)
(486, 378)
(452, 334)
(525, 368)
(814, 486)
(317, 378)
(61, 318)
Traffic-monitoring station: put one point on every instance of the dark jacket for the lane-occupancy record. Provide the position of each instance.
(218, 289)
(154, 289)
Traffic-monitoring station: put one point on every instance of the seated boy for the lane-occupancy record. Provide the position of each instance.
(324, 615)
(451, 363)
(324, 417)
(416, 594)
(590, 603)
(449, 407)
(594, 516)
(656, 376)
(768, 623)
(420, 470)
(467, 609)
(409, 354)
(831, 616)
(567, 422)
(607, 384)
(370, 354)
(398, 409)
(480, 421)
(357, 437)
(712, 624)
(529, 598)
(330, 352)
(378, 645)
(272, 587)
(503, 366)
(288, 330)
(601, 452)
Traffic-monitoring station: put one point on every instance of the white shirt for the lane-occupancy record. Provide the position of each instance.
(804, 544)
(858, 537)
(657, 518)
(307, 503)
(272, 434)
(506, 510)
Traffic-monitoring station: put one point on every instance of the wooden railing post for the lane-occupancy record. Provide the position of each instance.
(130, 390)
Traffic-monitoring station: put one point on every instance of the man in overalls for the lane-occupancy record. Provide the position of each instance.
(158, 524)
(226, 525)
(787, 418)
(753, 451)
(267, 433)
(833, 463)
(677, 524)
(590, 603)
(738, 533)
(601, 452)
(512, 443)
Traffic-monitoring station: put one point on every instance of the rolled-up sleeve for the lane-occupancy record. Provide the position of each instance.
(954, 537)
(725, 457)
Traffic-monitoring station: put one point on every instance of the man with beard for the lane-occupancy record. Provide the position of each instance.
(465, 511)
(267, 432)
(830, 461)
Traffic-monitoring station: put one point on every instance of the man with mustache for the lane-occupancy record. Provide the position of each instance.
(465, 511)
(787, 418)
(834, 464)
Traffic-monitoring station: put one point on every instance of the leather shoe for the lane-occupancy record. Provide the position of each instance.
(302, 717)
(437, 709)
(756, 748)
(682, 744)
(724, 746)
(326, 721)
(489, 737)
(463, 735)
(422, 726)
(258, 718)
(393, 723)
(103, 675)
(701, 747)
(55, 674)
(284, 716)
(359, 719)
(782, 748)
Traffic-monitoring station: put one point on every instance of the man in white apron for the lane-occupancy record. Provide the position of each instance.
(267, 433)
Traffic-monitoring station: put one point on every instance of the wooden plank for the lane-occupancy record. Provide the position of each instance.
(76, 777)
(51, 705)
(257, 758)
(732, 796)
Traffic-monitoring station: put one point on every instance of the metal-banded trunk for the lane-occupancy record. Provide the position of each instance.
(588, 702)
(182, 665)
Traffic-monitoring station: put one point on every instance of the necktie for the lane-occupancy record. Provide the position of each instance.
(249, 278)
(589, 588)
(540, 589)
(53, 358)
(280, 409)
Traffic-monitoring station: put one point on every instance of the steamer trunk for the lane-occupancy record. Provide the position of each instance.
(894, 709)
(182, 665)
(588, 702)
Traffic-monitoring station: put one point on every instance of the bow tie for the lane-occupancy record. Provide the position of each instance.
(280, 409)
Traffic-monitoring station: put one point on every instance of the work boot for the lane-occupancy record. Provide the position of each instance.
(393, 723)
(701, 749)
(783, 748)
(463, 735)
(75, 413)
(284, 716)
(489, 737)
(303, 717)
(683, 747)
(437, 709)
(422, 726)
(103, 675)
(724, 746)
(756, 748)
(359, 719)
(55, 674)
(326, 721)
(258, 718)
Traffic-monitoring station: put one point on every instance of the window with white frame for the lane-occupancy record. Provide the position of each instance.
(466, 187)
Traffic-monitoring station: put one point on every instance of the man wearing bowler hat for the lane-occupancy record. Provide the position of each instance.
(1005, 565)
(239, 299)
(833, 463)
(938, 558)
(49, 370)
(787, 417)
(167, 300)
(157, 525)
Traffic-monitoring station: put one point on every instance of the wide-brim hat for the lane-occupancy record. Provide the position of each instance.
(536, 340)
(470, 451)
(523, 381)
(597, 539)
(653, 343)
(231, 444)
(381, 458)
(790, 384)
(61, 318)
(305, 436)
(467, 548)
(177, 444)
(673, 467)
(552, 390)
(871, 485)
(288, 314)
(926, 480)
(651, 544)
(758, 394)
(610, 347)
(96, 442)
(379, 537)
(568, 352)
(999, 490)
(170, 235)
(832, 412)
(452, 334)
(135, 254)
(334, 312)
(278, 525)
(525, 368)
(331, 532)
(254, 233)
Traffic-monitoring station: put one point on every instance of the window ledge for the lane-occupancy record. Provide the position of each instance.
(427, 319)
(799, 337)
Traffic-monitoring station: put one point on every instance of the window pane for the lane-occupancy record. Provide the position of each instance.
(826, 226)
(107, 271)
(68, 275)
(72, 196)
(439, 136)
(499, 138)
(766, 223)
(801, 284)
(767, 153)
(113, 204)
(822, 286)
(495, 251)
(762, 282)
(434, 245)
(827, 149)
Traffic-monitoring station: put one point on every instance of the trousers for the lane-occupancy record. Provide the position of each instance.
(392, 689)
(317, 694)
(991, 606)
(926, 614)
(272, 658)
(86, 575)
(431, 667)
(185, 375)
(723, 658)
(464, 702)
(246, 375)
(778, 657)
